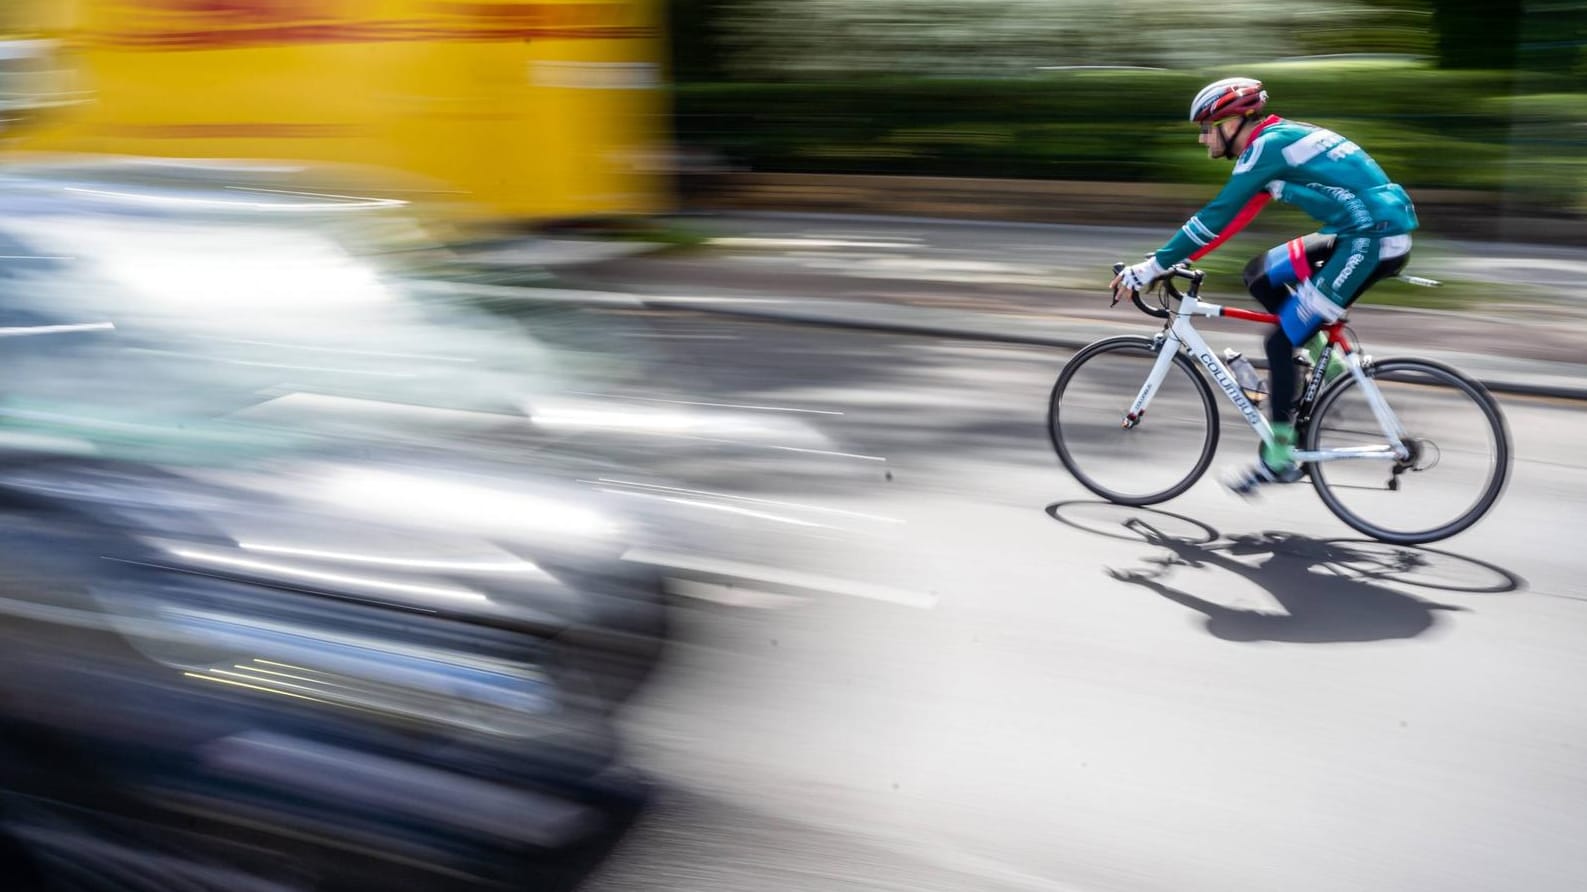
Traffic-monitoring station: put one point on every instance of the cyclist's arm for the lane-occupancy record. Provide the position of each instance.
(1251, 187)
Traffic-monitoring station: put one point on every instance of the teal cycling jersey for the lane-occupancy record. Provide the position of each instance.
(1315, 169)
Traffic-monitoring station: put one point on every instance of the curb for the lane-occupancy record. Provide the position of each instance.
(1494, 385)
(1462, 213)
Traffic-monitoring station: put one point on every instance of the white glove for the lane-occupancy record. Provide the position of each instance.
(1141, 275)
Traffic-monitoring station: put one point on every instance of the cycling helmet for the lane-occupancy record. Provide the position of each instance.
(1228, 98)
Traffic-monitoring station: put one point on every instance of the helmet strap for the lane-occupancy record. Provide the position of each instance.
(1228, 143)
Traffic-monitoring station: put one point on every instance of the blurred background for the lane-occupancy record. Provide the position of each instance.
(1472, 104)
(601, 444)
(576, 109)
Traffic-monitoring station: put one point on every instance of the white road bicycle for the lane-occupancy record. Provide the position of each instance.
(1403, 450)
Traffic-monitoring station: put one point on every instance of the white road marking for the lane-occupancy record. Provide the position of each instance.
(777, 577)
(729, 594)
(647, 399)
(737, 498)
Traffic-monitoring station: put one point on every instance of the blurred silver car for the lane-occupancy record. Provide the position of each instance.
(291, 599)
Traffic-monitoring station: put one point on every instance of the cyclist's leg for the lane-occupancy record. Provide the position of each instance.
(1320, 297)
(1272, 279)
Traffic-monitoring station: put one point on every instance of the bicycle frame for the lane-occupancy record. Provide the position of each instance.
(1180, 334)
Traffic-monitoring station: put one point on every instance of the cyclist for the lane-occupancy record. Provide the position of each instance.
(1367, 220)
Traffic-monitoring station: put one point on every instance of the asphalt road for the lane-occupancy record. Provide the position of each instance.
(995, 682)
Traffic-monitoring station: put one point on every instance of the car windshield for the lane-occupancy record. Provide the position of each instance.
(141, 315)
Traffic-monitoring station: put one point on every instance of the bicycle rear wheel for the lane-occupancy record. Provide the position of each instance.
(1155, 460)
(1460, 452)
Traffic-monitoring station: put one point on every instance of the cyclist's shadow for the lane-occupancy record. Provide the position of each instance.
(1319, 601)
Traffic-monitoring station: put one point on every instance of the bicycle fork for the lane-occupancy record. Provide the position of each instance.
(1165, 358)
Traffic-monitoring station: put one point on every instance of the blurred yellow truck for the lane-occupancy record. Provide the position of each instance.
(534, 110)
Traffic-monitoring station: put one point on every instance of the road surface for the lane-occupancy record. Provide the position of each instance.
(1004, 685)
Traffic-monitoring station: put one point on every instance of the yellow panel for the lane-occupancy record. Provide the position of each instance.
(542, 108)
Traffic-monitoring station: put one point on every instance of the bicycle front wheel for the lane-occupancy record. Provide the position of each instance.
(1460, 452)
(1158, 458)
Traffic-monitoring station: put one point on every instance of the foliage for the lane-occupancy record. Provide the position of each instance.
(1428, 127)
(828, 39)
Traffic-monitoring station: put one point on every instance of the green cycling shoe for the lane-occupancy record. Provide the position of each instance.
(1277, 463)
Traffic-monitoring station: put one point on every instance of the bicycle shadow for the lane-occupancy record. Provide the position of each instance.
(1327, 591)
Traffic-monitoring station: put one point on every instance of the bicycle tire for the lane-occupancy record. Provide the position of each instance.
(1145, 346)
(1470, 388)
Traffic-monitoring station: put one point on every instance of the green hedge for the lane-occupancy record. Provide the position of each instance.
(1429, 128)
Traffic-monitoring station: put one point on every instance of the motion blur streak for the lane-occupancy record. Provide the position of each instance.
(342, 202)
(438, 501)
(514, 566)
(315, 576)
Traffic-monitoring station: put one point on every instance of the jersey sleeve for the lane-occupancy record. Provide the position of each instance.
(1252, 186)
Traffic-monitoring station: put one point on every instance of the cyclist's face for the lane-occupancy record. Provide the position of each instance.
(1214, 138)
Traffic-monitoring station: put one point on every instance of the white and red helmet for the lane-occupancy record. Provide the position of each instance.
(1232, 97)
